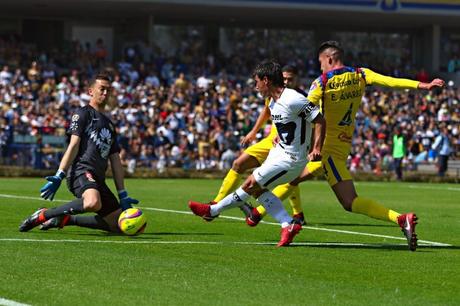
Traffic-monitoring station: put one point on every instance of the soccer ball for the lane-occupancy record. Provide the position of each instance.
(132, 221)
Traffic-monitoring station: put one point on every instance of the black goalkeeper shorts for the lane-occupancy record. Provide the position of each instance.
(78, 184)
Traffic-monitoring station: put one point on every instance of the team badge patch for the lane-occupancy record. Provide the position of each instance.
(74, 124)
(89, 176)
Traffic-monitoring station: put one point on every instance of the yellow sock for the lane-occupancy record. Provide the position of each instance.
(293, 192)
(374, 210)
(294, 200)
(283, 191)
(262, 211)
(231, 181)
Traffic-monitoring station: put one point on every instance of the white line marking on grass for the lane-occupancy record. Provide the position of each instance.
(134, 241)
(242, 219)
(305, 227)
(434, 188)
(10, 196)
(6, 302)
(439, 187)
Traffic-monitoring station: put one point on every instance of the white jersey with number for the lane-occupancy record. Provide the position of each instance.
(292, 115)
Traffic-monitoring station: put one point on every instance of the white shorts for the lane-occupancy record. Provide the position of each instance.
(277, 169)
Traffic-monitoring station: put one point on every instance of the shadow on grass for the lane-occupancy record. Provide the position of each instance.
(156, 235)
(184, 234)
(376, 246)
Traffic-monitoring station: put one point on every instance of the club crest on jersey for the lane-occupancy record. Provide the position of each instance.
(75, 118)
(89, 177)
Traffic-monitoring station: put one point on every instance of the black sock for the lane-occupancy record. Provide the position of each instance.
(71, 208)
(94, 222)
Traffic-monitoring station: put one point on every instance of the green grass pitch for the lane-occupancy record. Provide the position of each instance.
(338, 259)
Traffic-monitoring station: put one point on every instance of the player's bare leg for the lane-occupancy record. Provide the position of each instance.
(345, 192)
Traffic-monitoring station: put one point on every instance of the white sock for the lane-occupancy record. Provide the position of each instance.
(275, 208)
(234, 199)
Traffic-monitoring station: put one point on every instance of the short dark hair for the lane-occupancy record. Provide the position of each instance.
(331, 44)
(100, 76)
(271, 70)
(291, 69)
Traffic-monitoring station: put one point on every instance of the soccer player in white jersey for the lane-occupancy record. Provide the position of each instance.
(292, 114)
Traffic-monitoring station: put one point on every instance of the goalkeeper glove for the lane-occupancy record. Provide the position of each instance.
(49, 189)
(125, 201)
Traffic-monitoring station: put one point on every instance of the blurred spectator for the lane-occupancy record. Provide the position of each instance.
(443, 147)
(190, 108)
(399, 151)
(454, 64)
(5, 76)
(227, 159)
(422, 76)
(100, 52)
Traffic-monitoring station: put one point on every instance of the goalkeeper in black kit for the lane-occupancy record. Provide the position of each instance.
(92, 145)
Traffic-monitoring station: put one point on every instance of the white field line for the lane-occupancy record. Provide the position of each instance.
(6, 302)
(242, 219)
(439, 187)
(134, 241)
(305, 227)
(433, 188)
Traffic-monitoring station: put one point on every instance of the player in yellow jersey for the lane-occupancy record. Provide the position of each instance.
(256, 154)
(339, 91)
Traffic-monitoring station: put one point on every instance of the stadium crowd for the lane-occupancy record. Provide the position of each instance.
(191, 109)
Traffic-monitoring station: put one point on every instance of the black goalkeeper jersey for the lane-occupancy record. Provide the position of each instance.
(98, 142)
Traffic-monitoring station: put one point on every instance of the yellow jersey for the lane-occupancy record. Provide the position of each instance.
(339, 93)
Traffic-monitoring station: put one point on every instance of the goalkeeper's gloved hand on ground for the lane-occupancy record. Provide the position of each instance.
(125, 201)
(49, 189)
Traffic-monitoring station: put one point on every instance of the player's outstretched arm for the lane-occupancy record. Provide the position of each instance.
(263, 117)
(435, 83)
(50, 188)
(374, 78)
(118, 177)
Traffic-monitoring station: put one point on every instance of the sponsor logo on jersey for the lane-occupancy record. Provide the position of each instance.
(336, 85)
(102, 140)
(277, 117)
